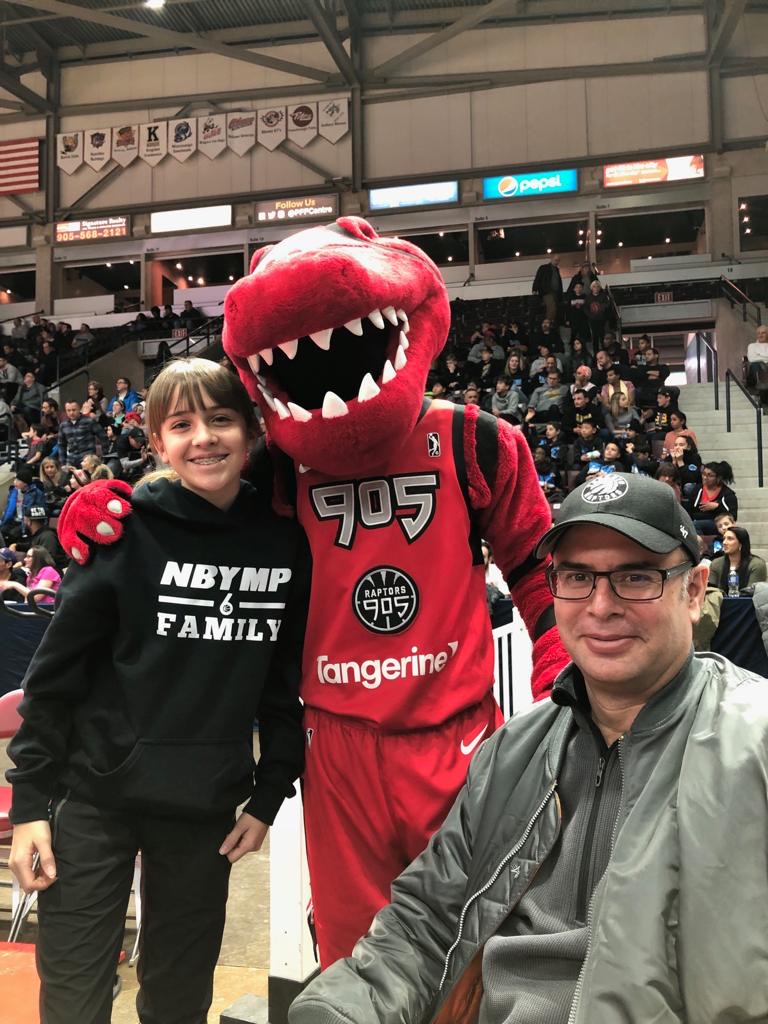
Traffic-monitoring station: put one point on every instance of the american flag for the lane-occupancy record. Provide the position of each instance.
(19, 166)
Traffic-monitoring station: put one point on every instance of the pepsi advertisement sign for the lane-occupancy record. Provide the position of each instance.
(519, 186)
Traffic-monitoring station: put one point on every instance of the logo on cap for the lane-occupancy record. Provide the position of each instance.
(605, 488)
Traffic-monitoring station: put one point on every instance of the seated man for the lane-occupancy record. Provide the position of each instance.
(606, 860)
(757, 355)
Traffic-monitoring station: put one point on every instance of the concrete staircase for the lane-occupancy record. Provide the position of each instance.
(739, 448)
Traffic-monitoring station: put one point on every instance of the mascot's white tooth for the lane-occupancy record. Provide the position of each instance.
(390, 314)
(355, 327)
(282, 412)
(400, 359)
(368, 389)
(299, 414)
(260, 379)
(376, 319)
(289, 347)
(323, 338)
(304, 469)
(404, 343)
(389, 373)
(255, 363)
(267, 355)
(268, 398)
(333, 406)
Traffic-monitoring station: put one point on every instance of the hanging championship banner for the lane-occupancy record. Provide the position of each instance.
(302, 123)
(212, 134)
(241, 132)
(182, 138)
(333, 119)
(271, 127)
(125, 144)
(69, 151)
(97, 149)
(153, 142)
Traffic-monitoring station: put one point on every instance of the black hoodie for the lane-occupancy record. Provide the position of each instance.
(144, 690)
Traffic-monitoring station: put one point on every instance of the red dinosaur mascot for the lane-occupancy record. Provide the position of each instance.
(333, 332)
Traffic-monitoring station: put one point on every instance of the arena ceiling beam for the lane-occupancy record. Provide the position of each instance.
(723, 33)
(176, 40)
(332, 41)
(473, 17)
(10, 82)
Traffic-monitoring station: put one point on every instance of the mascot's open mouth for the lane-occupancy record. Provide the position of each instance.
(318, 374)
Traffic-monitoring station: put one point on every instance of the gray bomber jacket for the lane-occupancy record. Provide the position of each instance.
(679, 920)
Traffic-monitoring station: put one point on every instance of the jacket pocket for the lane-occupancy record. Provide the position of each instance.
(179, 777)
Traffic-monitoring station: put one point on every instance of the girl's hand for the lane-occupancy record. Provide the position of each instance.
(246, 837)
(30, 838)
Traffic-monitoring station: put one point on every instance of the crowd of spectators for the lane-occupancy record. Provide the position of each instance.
(589, 406)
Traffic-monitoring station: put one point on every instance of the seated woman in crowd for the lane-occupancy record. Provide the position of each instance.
(678, 428)
(737, 554)
(620, 415)
(684, 456)
(714, 497)
(582, 381)
(515, 370)
(96, 394)
(42, 574)
(116, 415)
(54, 481)
(577, 357)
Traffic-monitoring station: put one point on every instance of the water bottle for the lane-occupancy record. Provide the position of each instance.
(733, 583)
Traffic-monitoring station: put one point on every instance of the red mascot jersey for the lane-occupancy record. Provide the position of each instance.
(399, 632)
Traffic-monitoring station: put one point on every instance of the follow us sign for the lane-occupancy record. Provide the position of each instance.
(544, 183)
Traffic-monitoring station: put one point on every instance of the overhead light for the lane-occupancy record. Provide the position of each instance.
(107, 264)
(748, 231)
(599, 231)
(154, 5)
(179, 266)
(745, 220)
(441, 234)
(131, 262)
(581, 241)
(200, 280)
(581, 231)
(231, 277)
(598, 240)
(549, 251)
(8, 291)
(501, 233)
(190, 278)
(517, 254)
(743, 206)
(650, 257)
(667, 240)
(125, 287)
(620, 244)
(450, 259)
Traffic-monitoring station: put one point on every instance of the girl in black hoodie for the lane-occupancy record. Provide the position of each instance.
(139, 709)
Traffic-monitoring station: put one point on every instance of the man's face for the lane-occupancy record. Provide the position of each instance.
(20, 485)
(762, 334)
(579, 400)
(437, 389)
(595, 287)
(470, 396)
(545, 325)
(187, 304)
(553, 379)
(622, 646)
(555, 261)
(651, 357)
(502, 387)
(551, 363)
(72, 410)
(612, 377)
(724, 523)
(29, 380)
(485, 355)
(662, 400)
(602, 359)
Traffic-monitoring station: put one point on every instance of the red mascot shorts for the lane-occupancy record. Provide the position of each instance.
(371, 804)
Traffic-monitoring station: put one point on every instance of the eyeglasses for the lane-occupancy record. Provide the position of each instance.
(628, 584)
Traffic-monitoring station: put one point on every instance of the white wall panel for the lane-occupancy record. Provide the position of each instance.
(548, 46)
(528, 123)
(643, 112)
(417, 136)
(745, 107)
(192, 74)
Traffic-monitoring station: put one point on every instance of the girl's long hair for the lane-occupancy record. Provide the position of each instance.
(40, 558)
(742, 536)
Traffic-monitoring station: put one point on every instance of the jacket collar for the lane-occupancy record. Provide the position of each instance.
(569, 690)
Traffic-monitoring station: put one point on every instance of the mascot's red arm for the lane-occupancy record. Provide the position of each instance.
(513, 515)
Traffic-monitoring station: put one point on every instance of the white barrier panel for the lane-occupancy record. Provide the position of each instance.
(291, 957)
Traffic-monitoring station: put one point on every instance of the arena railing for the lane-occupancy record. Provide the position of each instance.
(750, 311)
(712, 364)
(730, 377)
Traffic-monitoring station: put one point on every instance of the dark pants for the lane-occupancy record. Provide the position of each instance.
(82, 915)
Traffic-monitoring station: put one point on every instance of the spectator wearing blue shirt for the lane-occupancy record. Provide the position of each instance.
(124, 394)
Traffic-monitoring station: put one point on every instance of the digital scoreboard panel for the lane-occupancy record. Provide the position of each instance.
(92, 229)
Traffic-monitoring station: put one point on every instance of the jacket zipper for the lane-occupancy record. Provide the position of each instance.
(586, 860)
(580, 980)
(505, 860)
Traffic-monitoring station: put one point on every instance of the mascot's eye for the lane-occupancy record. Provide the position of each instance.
(258, 256)
(358, 227)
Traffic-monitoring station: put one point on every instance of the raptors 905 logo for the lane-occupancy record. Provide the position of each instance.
(385, 599)
(407, 500)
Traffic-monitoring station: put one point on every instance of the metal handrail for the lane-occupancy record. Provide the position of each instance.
(10, 319)
(731, 376)
(715, 368)
(734, 294)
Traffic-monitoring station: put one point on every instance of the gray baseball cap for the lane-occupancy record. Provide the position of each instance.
(644, 510)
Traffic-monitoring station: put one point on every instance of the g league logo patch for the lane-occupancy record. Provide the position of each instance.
(433, 444)
(385, 600)
(605, 488)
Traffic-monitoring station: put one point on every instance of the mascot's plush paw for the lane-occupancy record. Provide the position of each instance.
(93, 515)
(549, 660)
